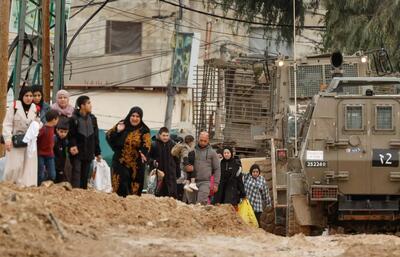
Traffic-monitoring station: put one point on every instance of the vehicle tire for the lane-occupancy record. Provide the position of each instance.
(267, 219)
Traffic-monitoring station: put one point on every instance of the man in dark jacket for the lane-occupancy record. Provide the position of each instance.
(83, 141)
(162, 159)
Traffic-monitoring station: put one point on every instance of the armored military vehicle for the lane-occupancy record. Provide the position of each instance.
(341, 171)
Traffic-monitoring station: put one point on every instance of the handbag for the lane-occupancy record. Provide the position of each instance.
(17, 141)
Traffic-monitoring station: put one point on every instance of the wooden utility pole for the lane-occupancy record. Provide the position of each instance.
(46, 49)
(4, 23)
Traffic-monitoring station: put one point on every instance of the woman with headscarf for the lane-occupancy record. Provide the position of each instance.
(257, 190)
(131, 142)
(231, 188)
(62, 104)
(39, 101)
(21, 159)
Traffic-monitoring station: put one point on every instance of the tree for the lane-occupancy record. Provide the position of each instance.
(353, 25)
(273, 12)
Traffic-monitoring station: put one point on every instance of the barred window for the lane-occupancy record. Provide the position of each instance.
(384, 117)
(354, 119)
(123, 37)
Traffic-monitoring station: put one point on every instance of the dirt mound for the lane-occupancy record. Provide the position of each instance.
(58, 221)
(36, 216)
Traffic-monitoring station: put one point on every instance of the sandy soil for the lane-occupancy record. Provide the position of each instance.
(58, 221)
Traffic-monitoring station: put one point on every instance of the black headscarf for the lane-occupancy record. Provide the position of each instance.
(127, 121)
(37, 88)
(23, 92)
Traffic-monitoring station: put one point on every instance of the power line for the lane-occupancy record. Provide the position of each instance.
(190, 27)
(120, 64)
(118, 83)
(239, 20)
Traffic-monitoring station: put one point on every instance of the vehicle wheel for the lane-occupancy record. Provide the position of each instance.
(267, 218)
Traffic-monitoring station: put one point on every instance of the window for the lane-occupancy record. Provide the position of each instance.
(354, 117)
(384, 118)
(123, 37)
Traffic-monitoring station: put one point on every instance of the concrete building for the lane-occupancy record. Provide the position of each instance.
(123, 57)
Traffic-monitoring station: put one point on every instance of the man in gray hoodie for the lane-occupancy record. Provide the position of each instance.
(206, 164)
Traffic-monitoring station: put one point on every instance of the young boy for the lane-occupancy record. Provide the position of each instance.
(185, 153)
(162, 159)
(45, 144)
(83, 141)
(61, 151)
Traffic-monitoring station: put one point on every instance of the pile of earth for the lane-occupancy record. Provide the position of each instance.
(59, 221)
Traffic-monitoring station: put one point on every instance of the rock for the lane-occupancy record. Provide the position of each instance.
(47, 184)
(208, 207)
(12, 222)
(14, 197)
(66, 185)
(5, 229)
(150, 224)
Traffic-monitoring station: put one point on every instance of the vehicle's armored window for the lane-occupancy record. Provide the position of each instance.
(384, 117)
(354, 118)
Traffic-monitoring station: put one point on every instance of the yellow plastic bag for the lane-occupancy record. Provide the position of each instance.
(247, 214)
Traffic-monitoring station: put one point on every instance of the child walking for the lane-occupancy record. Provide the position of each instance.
(61, 151)
(45, 144)
(185, 152)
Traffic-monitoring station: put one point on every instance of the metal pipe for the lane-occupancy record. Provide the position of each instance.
(295, 78)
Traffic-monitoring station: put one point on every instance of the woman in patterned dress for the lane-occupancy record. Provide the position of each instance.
(130, 140)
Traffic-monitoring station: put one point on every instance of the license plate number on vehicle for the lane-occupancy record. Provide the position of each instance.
(316, 164)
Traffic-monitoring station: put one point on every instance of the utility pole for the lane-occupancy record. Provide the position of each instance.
(46, 49)
(4, 23)
(171, 90)
(295, 78)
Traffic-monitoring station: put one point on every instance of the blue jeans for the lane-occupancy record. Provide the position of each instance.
(46, 169)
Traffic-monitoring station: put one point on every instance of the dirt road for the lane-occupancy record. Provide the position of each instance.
(56, 221)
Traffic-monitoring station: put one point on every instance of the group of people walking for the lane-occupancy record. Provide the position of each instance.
(60, 142)
(44, 142)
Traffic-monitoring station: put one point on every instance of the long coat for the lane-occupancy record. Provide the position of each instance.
(20, 168)
(231, 187)
(161, 152)
(127, 166)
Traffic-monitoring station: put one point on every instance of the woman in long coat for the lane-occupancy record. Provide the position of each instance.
(231, 187)
(21, 163)
(131, 141)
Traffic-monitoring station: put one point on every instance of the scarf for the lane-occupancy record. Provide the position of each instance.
(67, 111)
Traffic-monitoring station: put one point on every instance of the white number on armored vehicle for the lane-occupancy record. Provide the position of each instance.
(316, 164)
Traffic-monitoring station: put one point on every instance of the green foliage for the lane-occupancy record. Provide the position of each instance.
(353, 25)
(272, 12)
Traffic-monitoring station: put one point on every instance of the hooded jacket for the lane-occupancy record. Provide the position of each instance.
(207, 164)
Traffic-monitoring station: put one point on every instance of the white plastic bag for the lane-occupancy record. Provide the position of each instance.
(101, 178)
(2, 167)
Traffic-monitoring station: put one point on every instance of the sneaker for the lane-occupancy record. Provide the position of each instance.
(193, 186)
(188, 188)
